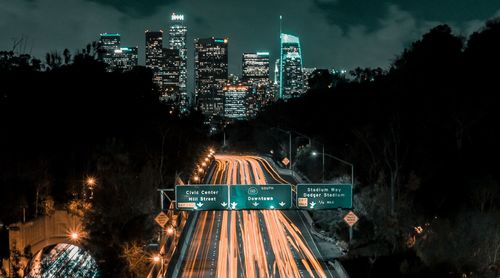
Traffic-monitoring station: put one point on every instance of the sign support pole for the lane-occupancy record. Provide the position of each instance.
(163, 194)
(161, 200)
(350, 234)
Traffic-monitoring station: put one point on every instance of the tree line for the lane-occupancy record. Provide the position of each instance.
(65, 119)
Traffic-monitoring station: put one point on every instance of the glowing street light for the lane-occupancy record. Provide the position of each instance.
(91, 182)
(170, 230)
(156, 259)
(204, 164)
(74, 236)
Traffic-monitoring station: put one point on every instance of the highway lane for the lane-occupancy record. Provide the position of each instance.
(250, 243)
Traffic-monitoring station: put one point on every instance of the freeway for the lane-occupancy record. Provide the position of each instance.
(249, 243)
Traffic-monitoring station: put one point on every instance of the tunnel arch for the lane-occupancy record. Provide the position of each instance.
(61, 260)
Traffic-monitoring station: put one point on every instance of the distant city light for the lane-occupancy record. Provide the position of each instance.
(176, 17)
(110, 35)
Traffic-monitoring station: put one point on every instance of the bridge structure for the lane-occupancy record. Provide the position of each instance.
(32, 236)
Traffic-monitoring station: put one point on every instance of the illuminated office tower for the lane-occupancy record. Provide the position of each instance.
(124, 59)
(108, 43)
(307, 72)
(255, 73)
(211, 74)
(177, 40)
(277, 72)
(255, 67)
(233, 79)
(154, 52)
(171, 62)
(291, 78)
(235, 102)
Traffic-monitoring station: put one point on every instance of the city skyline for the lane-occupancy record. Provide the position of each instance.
(322, 138)
(366, 37)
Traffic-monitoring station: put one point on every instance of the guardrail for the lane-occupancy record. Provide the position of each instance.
(339, 269)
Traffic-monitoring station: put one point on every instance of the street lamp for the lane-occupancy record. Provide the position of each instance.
(314, 153)
(196, 179)
(91, 182)
(170, 230)
(156, 259)
(74, 236)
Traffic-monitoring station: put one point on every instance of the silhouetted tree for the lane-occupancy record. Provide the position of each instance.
(67, 56)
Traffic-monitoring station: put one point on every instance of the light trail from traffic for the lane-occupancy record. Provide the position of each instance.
(248, 243)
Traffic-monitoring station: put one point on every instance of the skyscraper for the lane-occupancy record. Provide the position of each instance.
(154, 52)
(255, 73)
(277, 72)
(255, 67)
(124, 58)
(291, 79)
(177, 40)
(211, 73)
(307, 72)
(108, 43)
(235, 102)
(171, 61)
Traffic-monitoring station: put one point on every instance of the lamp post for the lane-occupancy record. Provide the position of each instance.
(90, 182)
(336, 158)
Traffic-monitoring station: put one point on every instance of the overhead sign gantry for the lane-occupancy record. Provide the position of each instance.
(324, 196)
(268, 196)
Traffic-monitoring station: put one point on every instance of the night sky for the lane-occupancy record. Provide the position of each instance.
(334, 33)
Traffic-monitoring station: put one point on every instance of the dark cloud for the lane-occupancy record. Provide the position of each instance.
(369, 12)
(135, 8)
(199, 20)
(333, 33)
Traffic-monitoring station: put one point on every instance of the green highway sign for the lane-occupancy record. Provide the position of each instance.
(268, 196)
(201, 197)
(324, 196)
